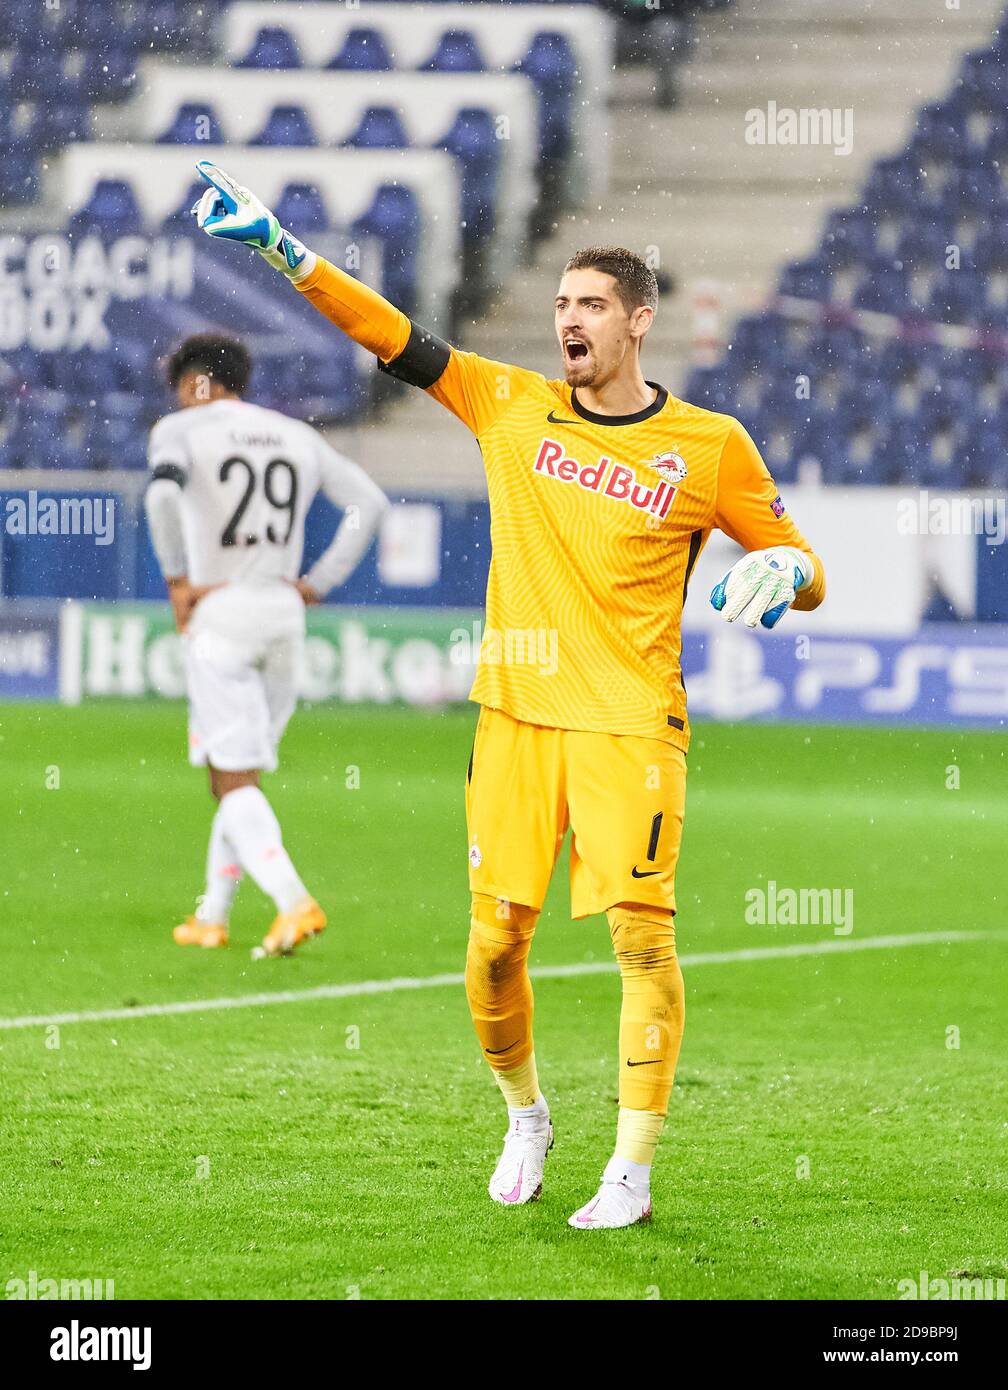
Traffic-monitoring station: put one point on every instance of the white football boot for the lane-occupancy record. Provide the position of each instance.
(518, 1177)
(618, 1202)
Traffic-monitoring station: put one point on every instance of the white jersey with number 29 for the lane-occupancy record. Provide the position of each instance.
(248, 476)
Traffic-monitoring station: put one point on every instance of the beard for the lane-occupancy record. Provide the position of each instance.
(583, 373)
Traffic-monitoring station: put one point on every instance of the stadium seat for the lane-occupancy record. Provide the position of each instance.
(473, 141)
(456, 51)
(58, 123)
(114, 441)
(894, 185)
(552, 68)
(106, 74)
(809, 279)
(379, 128)
(273, 48)
(286, 125)
(301, 205)
(849, 238)
(93, 24)
(193, 124)
(112, 208)
(18, 173)
(167, 25)
(363, 50)
(30, 74)
(395, 219)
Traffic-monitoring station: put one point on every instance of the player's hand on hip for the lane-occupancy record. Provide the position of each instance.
(184, 598)
(231, 212)
(309, 595)
(761, 587)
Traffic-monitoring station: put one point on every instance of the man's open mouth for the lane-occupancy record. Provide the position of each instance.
(575, 350)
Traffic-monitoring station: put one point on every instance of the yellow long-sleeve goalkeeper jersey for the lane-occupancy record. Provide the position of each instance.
(596, 522)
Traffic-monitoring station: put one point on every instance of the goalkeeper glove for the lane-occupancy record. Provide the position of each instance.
(762, 585)
(231, 212)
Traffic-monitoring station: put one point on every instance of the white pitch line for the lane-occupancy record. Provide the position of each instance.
(542, 972)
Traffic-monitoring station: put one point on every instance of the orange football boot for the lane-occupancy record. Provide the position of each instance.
(193, 932)
(291, 928)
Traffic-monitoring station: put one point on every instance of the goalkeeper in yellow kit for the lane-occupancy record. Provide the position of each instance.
(603, 490)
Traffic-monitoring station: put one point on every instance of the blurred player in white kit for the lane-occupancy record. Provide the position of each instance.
(230, 486)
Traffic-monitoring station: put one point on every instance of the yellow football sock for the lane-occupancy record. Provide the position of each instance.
(637, 1135)
(653, 1012)
(500, 992)
(520, 1085)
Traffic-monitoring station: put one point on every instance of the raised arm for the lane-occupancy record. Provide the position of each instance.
(473, 388)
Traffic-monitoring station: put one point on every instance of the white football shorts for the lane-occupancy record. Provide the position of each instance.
(244, 649)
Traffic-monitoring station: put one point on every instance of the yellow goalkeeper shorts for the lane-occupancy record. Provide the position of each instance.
(622, 796)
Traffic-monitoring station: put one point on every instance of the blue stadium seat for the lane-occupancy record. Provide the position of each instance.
(33, 75)
(165, 25)
(849, 238)
(38, 439)
(995, 148)
(758, 338)
(84, 375)
(18, 173)
(973, 188)
(807, 279)
(473, 141)
(60, 122)
(182, 220)
(286, 125)
(708, 387)
(363, 50)
(983, 81)
(836, 350)
(379, 128)
(114, 441)
(456, 51)
(991, 250)
(894, 185)
(273, 47)
(939, 132)
(94, 24)
(922, 244)
(39, 29)
(107, 74)
(301, 205)
(551, 66)
(112, 208)
(884, 289)
(958, 296)
(194, 122)
(395, 218)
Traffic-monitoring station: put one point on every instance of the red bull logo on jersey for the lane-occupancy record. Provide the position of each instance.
(670, 465)
(607, 478)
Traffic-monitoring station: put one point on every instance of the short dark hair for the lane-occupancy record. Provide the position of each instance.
(635, 280)
(224, 360)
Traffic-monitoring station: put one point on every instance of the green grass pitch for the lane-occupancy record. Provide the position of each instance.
(256, 1152)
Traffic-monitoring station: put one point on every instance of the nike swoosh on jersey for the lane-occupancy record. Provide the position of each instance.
(556, 420)
(648, 873)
